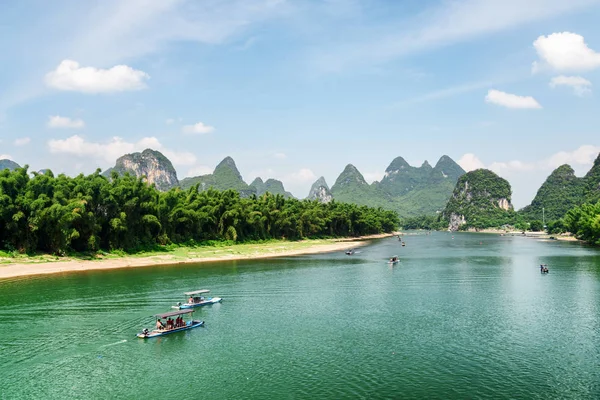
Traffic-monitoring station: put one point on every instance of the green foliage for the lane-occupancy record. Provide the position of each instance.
(592, 182)
(584, 222)
(478, 196)
(428, 222)
(561, 191)
(410, 191)
(93, 213)
(556, 227)
(226, 176)
(536, 226)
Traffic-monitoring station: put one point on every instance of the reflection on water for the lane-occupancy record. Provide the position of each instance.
(462, 317)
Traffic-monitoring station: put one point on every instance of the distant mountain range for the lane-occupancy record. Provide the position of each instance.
(8, 164)
(405, 189)
(408, 190)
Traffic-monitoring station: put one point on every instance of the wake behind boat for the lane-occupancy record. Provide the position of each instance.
(196, 300)
(165, 324)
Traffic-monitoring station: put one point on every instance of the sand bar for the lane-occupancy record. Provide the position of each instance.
(188, 256)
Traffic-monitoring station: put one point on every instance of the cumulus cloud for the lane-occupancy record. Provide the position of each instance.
(509, 100)
(581, 86)
(470, 162)
(72, 77)
(370, 177)
(582, 156)
(304, 175)
(197, 129)
(114, 148)
(565, 51)
(22, 141)
(57, 121)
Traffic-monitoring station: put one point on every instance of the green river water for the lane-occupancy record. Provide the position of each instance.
(458, 318)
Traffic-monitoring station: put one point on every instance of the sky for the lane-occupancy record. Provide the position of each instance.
(294, 90)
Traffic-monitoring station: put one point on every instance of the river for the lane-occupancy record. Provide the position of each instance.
(461, 316)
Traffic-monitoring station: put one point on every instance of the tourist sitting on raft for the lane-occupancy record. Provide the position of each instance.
(544, 268)
(159, 324)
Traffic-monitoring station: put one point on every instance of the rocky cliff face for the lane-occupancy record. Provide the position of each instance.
(480, 199)
(320, 191)
(152, 164)
(8, 164)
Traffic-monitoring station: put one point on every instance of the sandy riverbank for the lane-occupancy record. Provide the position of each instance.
(25, 267)
(537, 235)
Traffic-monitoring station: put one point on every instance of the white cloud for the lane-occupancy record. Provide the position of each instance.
(70, 76)
(514, 165)
(581, 86)
(22, 141)
(197, 129)
(5, 157)
(470, 162)
(57, 121)
(446, 92)
(304, 175)
(511, 100)
(565, 51)
(370, 177)
(445, 23)
(114, 148)
(280, 156)
(584, 155)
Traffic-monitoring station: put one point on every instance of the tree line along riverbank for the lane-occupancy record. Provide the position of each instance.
(87, 214)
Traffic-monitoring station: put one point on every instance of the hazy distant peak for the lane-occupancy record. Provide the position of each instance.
(397, 164)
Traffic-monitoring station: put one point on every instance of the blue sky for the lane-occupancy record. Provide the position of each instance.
(297, 89)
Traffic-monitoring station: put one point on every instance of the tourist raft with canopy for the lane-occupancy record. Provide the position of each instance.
(195, 299)
(165, 324)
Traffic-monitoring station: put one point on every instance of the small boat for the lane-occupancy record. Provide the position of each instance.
(403, 244)
(196, 300)
(544, 269)
(394, 260)
(350, 252)
(169, 325)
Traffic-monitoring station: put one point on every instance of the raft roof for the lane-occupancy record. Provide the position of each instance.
(197, 292)
(174, 313)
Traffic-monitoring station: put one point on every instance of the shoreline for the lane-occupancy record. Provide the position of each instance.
(189, 256)
(534, 235)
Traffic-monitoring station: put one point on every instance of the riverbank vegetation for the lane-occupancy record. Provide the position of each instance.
(57, 215)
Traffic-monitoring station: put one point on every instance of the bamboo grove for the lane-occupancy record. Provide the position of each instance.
(44, 213)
